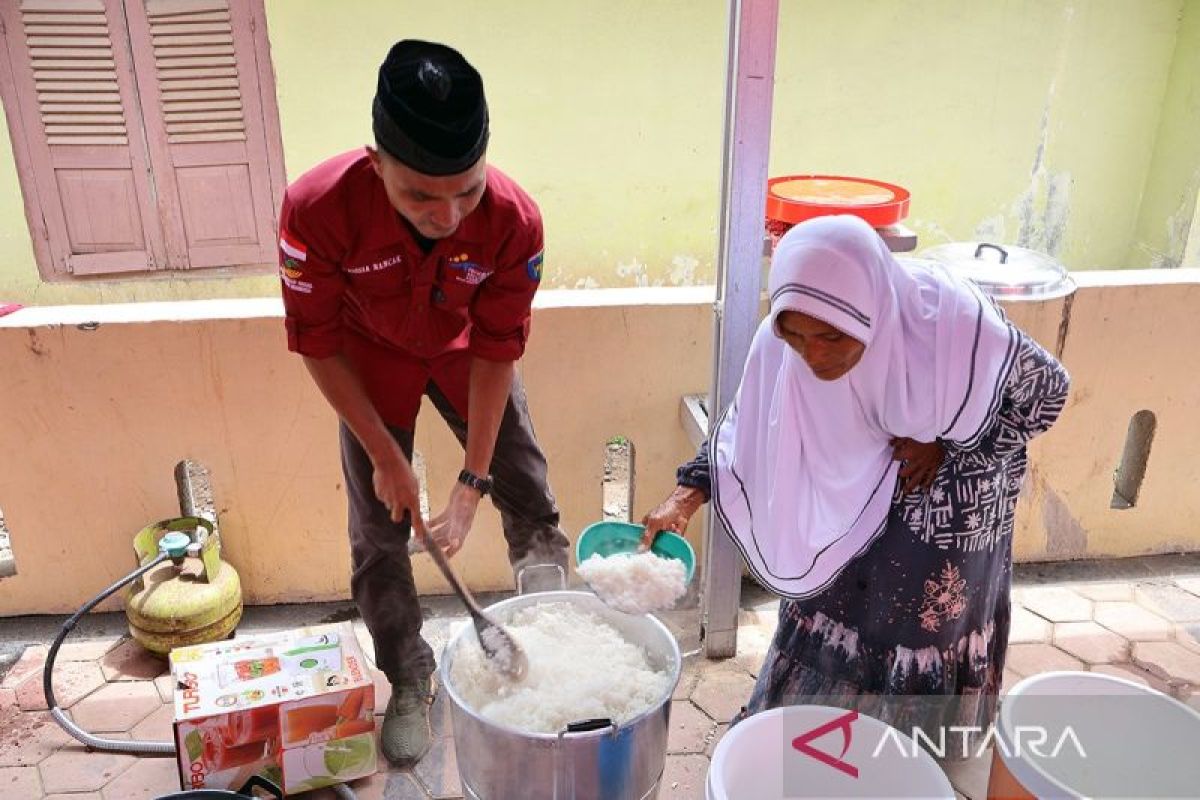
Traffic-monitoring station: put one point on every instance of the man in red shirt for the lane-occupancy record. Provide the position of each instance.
(408, 269)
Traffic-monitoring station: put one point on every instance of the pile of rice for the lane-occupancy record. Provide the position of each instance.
(579, 668)
(636, 583)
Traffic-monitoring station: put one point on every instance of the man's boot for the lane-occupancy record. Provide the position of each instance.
(406, 734)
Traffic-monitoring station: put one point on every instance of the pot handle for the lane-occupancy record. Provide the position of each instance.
(583, 726)
(1003, 253)
(564, 767)
(533, 569)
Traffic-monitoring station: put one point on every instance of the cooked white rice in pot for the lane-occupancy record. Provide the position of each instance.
(580, 667)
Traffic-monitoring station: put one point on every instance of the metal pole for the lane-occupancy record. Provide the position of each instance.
(749, 88)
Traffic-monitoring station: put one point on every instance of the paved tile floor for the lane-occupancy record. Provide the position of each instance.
(1137, 618)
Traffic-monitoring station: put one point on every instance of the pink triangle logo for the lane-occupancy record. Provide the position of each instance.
(843, 722)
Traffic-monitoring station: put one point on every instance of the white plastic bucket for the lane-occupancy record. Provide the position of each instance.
(759, 758)
(1082, 734)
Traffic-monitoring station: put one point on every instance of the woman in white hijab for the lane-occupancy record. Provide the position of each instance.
(868, 469)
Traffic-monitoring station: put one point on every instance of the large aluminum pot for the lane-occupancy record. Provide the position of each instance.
(591, 759)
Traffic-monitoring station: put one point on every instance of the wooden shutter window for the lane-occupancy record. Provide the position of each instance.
(74, 73)
(145, 132)
(81, 150)
(196, 66)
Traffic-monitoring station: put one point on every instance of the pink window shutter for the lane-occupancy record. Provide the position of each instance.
(81, 147)
(202, 102)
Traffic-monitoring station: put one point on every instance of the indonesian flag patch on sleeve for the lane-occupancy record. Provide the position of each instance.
(290, 245)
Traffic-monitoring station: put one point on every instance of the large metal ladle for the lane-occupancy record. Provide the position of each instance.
(499, 646)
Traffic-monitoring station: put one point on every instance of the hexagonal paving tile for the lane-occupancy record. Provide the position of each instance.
(1168, 600)
(689, 729)
(86, 650)
(1190, 583)
(129, 661)
(1189, 636)
(26, 738)
(438, 770)
(157, 727)
(20, 782)
(688, 679)
(1125, 672)
(1168, 659)
(1057, 604)
(73, 681)
(1105, 592)
(1025, 627)
(683, 778)
(752, 645)
(1132, 672)
(440, 718)
(714, 739)
(117, 707)
(389, 784)
(74, 769)
(721, 693)
(1132, 621)
(145, 780)
(30, 662)
(166, 688)
(1033, 659)
(1008, 680)
(1090, 642)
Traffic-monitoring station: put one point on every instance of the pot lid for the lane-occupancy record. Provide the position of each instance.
(1006, 273)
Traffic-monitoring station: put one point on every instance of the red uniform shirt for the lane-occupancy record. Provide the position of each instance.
(356, 282)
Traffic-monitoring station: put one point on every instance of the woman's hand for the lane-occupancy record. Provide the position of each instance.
(919, 462)
(671, 514)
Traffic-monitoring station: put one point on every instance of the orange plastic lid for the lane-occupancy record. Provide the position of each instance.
(795, 198)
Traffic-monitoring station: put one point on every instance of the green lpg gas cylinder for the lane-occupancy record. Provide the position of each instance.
(189, 600)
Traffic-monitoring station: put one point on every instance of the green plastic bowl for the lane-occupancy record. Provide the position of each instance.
(610, 538)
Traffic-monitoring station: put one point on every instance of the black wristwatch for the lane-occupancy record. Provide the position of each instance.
(481, 485)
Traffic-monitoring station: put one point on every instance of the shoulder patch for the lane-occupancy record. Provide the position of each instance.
(534, 267)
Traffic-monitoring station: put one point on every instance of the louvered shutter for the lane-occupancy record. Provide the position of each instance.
(199, 85)
(85, 153)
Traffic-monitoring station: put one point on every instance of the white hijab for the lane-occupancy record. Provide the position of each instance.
(803, 475)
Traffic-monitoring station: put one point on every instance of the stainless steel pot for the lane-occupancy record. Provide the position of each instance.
(591, 759)
(1005, 272)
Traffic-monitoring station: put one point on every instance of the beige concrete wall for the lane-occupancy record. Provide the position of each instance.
(93, 418)
(1129, 347)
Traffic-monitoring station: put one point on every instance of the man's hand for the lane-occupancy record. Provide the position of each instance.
(397, 487)
(920, 462)
(671, 514)
(449, 529)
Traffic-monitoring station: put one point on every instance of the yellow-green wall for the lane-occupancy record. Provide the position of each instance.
(1040, 122)
(1169, 209)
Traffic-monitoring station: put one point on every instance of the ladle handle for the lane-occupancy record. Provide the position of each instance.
(439, 558)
